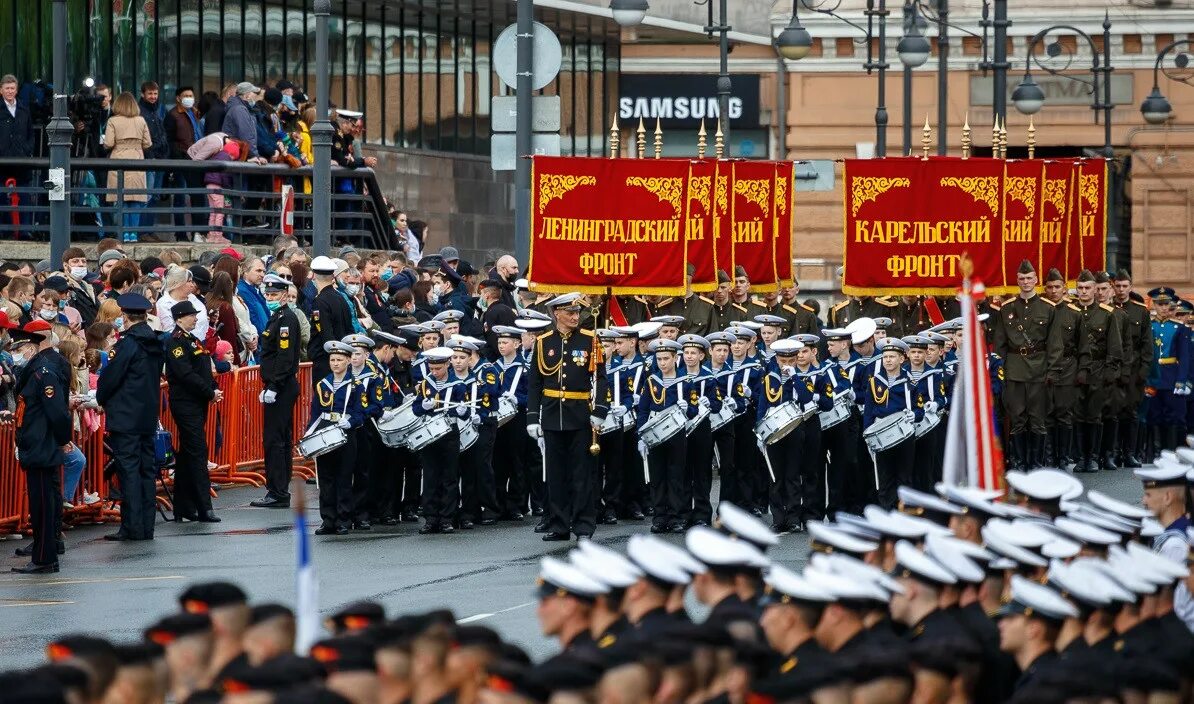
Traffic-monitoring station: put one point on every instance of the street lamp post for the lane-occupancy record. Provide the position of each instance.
(878, 64)
(525, 47)
(322, 133)
(1156, 108)
(1029, 98)
(913, 51)
(59, 132)
(942, 77)
(724, 85)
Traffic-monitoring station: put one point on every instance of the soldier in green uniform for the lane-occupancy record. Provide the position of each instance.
(908, 317)
(855, 307)
(1117, 390)
(693, 308)
(1024, 340)
(1099, 374)
(1063, 395)
(769, 304)
(740, 293)
(802, 319)
(1138, 359)
(725, 311)
(635, 308)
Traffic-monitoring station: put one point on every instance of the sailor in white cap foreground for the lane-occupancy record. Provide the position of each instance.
(331, 318)
(438, 398)
(337, 402)
(889, 417)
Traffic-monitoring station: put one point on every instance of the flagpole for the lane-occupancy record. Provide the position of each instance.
(306, 612)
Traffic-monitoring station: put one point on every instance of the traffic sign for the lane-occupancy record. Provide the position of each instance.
(545, 113)
(503, 154)
(545, 64)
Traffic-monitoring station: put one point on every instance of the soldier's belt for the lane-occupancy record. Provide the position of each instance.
(1026, 351)
(1167, 360)
(570, 395)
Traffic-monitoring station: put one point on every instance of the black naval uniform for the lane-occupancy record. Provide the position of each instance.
(128, 391)
(192, 389)
(280, 357)
(43, 428)
(558, 393)
(331, 320)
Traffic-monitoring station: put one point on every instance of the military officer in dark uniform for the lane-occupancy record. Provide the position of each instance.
(1059, 380)
(1138, 359)
(1029, 347)
(802, 320)
(128, 389)
(1102, 354)
(564, 411)
(635, 309)
(331, 319)
(908, 317)
(769, 304)
(1117, 387)
(692, 307)
(192, 390)
(280, 356)
(43, 429)
(724, 310)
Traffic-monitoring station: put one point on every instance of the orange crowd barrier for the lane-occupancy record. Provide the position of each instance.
(234, 431)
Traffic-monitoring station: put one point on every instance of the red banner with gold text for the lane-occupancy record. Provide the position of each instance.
(785, 203)
(702, 252)
(1057, 199)
(1021, 203)
(723, 239)
(617, 224)
(1090, 212)
(752, 219)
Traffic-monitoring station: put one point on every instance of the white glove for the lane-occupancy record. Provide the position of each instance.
(909, 416)
(475, 420)
(850, 394)
(595, 422)
(704, 402)
(343, 423)
(642, 448)
(509, 394)
(618, 411)
(732, 403)
(761, 444)
(745, 392)
(269, 396)
(461, 411)
(931, 407)
(535, 431)
(389, 413)
(787, 372)
(816, 398)
(635, 399)
(428, 404)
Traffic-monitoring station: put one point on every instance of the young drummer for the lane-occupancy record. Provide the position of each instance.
(509, 443)
(337, 401)
(890, 391)
(748, 485)
(929, 387)
(703, 390)
(367, 374)
(391, 469)
(627, 368)
(440, 459)
(724, 376)
(533, 323)
(771, 327)
(481, 390)
(846, 484)
(663, 390)
(609, 462)
(819, 382)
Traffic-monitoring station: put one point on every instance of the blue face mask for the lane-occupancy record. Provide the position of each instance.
(61, 305)
(27, 306)
(273, 305)
(387, 275)
(118, 323)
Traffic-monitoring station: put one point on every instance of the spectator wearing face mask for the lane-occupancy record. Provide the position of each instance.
(82, 294)
(239, 121)
(249, 289)
(51, 304)
(180, 286)
(182, 131)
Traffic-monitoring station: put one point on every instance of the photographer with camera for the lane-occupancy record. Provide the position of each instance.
(16, 133)
(182, 131)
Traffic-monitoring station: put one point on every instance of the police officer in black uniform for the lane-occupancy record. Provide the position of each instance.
(128, 391)
(280, 357)
(562, 376)
(192, 390)
(331, 319)
(43, 428)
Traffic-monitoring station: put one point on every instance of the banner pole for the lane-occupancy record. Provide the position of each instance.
(1031, 139)
(995, 138)
(615, 137)
(658, 139)
(926, 140)
(701, 140)
(1003, 139)
(641, 142)
(966, 137)
(719, 142)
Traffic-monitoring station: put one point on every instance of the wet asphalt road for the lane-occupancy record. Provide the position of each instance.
(485, 575)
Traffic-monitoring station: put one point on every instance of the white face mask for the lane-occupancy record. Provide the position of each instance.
(78, 271)
(438, 290)
(433, 298)
(352, 289)
(48, 314)
(18, 359)
(188, 103)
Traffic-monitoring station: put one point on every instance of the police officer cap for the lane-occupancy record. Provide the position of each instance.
(559, 578)
(1162, 294)
(721, 551)
(1165, 473)
(566, 301)
(449, 316)
(830, 538)
(742, 332)
(996, 538)
(836, 334)
(767, 319)
(668, 321)
(358, 340)
(438, 355)
(273, 282)
(719, 338)
(647, 329)
(892, 343)
(133, 303)
(662, 345)
(785, 586)
(461, 344)
(1054, 275)
(882, 322)
(956, 562)
(694, 341)
(737, 523)
(605, 334)
(1120, 508)
(323, 265)
(1084, 532)
(1026, 267)
(532, 324)
(183, 309)
(786, 348)
(1076, 585)
(507, 331)
(533, 314)
(807, 339)
(608, 562)
(662, 562)
(1045, 484)
(171, 628)
(916, 342)
(861, 330)
(203, 597)
(919, 503)
(914, 564)
(1037, 601)
(384, 338)
(723, 277)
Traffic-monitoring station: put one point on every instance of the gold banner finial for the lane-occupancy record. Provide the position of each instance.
(658, 139)
(615, 137)
(1003, 138)
(926, 139)
(719, 142)
(966, 137)
(995, 138)
(1031, 139)
(641, 139)
(701, 140)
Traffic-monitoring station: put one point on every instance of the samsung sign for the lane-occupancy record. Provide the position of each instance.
(684, 100)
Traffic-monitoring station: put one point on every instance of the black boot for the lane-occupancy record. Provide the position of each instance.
(1148, 443)
(1084, 433)
(1036, 449)
(1170, 436)
(1019, 452)
(1110, 442)
(1129, 434)
(1095, 440)
(1069, 448)
(1049, 448)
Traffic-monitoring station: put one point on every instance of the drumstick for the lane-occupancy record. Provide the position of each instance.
(646, 468)
(767, 459)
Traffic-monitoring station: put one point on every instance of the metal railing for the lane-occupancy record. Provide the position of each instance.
(179, 208)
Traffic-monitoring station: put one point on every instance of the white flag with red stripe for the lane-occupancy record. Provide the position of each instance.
(973, 456)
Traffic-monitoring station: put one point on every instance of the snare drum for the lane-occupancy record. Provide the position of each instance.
(837, 414)
(430, 428)
(507, 409)
(779, 422)
(322, 441)
(611, 423)
(725, 415)
(926, 424)
(888, 432)
(393, 430)
(692, 423)
(468, 433)
(628, 420)
(662, 426)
